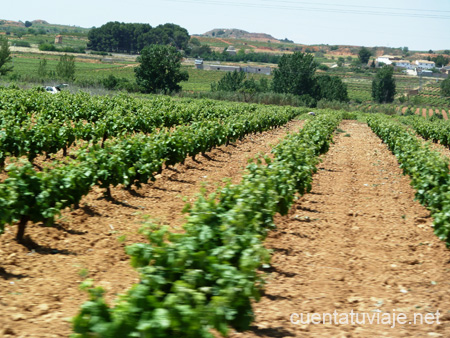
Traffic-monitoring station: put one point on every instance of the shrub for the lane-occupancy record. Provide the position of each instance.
(66, 67)
(115, 83)
(47, 47)
(19, 43)
(323, 67)
(436, 117)
(408, 112)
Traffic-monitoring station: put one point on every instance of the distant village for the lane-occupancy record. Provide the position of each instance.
(415, 68)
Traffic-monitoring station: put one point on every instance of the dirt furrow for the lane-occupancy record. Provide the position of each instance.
(40, 284)
(358, 242)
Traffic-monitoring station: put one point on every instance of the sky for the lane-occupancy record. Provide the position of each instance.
(418, 25)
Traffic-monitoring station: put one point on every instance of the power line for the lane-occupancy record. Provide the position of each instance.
(327, 10)
(359, 6)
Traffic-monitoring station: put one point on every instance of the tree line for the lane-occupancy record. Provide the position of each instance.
(197, 50)
(296, 75)
(133, 37)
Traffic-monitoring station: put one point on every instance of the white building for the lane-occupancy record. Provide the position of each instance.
(395, 61)
(388, 59)
(423, 64)
(403, 64)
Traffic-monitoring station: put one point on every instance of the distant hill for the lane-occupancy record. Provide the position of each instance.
(40, 22)
(10, 25)
(239, 34)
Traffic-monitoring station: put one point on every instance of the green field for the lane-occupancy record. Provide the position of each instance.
(67, 40)
(200, 80)
(26, 67)
(92, 69)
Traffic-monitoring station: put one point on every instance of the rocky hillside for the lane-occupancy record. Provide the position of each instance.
(239, 34)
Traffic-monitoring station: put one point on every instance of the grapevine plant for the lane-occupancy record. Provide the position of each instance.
(428, 170)
(208, 276)
(33, 123)
(126, 159)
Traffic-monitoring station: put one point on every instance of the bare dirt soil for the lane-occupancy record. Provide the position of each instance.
(357, 242)
(39, 285)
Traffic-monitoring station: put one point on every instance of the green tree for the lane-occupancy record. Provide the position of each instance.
(364, 55)
(110, 82)
(236, 82)
(241, 54)
(445, 87)
(332, 88)
(230, 82)
(65, 69)
(383, 86)
(440, 60)
(160, 69)
(295, 75)
(42, 69)
(133, 37)
(195, 42)
(28, 24)
(202, 51)
(5, 56)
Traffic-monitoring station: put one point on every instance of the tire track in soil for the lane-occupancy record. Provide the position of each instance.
(357, 242)
(40, 288)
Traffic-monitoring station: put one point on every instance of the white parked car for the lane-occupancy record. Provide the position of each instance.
(55, 89)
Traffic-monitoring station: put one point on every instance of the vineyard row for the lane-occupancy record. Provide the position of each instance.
(208, 276)
(38, 196)
(428, 170)
(33, 123)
